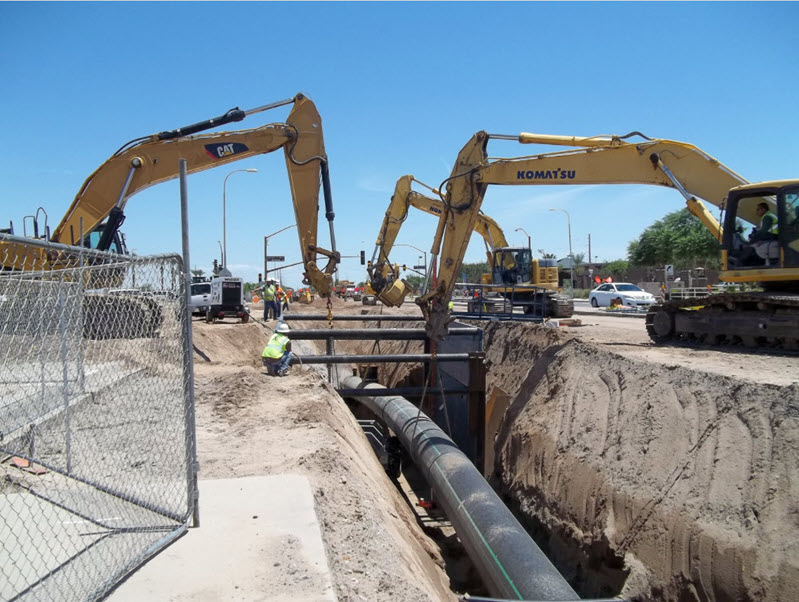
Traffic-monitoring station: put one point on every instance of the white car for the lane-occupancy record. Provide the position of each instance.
(629, 294)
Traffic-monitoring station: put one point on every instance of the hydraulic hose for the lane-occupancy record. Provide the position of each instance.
(511, 564)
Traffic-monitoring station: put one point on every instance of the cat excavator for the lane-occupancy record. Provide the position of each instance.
(97, 212)
(506, 270)
(763, 318)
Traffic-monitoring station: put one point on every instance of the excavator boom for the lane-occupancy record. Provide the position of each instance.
(155, 159)
(525, 282)
(381, 270)
(590, 160)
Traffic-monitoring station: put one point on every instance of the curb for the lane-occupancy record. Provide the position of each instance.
(602, 313)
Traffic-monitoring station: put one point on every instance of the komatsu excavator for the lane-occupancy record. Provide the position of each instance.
(95, 215)
(765, 318)
(506, 268)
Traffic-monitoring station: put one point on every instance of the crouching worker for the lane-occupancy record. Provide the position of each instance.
(277, 353)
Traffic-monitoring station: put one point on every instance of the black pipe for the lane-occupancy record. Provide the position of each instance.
(511, 565)
(378, 359)
(371, 334)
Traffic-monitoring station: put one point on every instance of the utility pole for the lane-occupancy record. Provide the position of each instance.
(589, 249)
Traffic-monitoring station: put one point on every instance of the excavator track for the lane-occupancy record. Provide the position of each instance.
(560, 306)
(751, 319)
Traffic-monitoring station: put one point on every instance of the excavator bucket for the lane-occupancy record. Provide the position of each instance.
(394, 294)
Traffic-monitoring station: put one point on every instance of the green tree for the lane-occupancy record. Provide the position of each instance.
(473, 271)
(415, 281)
(579, 259)
(679, 239)
(545, 255)
(617, 269)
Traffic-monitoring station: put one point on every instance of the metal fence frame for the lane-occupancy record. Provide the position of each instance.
(97, 437)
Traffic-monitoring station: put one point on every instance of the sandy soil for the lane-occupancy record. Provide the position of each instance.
(627, 337)
(660, 473)
(252, 424)
(667, 473)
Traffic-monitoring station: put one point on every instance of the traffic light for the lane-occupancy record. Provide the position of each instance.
(368, 264)
(260, 277)
(216, 267)
(363, 257)
(403, 267)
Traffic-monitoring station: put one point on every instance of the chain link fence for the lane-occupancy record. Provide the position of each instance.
(96, 420)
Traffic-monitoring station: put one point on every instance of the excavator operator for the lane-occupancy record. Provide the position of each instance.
(764, 237)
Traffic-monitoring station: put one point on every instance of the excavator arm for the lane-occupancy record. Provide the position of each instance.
(155, 159)
(595, 160)
(382, 273)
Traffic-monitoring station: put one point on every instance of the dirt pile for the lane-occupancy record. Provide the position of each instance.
(252, 424)
(683, 483)
(228, 343)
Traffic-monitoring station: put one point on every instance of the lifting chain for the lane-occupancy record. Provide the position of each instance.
(330, 311)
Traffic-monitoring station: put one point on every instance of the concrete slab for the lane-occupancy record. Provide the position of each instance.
(259, 539)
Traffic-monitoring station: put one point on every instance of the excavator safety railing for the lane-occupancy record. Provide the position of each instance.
(95, 437)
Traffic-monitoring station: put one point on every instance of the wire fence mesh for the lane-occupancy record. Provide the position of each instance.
(96, 423)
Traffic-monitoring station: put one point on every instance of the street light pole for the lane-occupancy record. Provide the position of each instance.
(571, 257)
(425, 258)
(266, 248)
(529, 244)
(224, 213)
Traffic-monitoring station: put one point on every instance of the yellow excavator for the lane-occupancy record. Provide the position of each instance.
(97, 212)
(510, 266)
(755, 318)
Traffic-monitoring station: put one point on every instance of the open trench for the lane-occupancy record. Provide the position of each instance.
(637, 479)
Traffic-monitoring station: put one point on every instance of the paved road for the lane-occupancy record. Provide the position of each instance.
(582, 306)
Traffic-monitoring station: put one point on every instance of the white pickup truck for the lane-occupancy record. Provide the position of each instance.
(200, 297)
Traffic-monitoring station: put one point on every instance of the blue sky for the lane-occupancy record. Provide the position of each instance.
(401, 87)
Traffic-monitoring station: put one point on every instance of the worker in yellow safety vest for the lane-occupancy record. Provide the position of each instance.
(269, 300)
(277, 353)
(764, 238)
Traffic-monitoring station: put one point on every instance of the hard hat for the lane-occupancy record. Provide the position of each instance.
(283, 328)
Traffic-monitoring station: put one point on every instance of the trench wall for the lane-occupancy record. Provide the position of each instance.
(682, 481)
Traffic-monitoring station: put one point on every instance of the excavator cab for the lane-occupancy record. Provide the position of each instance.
(745, 246)
(511, 265)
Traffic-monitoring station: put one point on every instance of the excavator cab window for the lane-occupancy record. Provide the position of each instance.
(749, 243)
(93, 239)
(789, 225)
